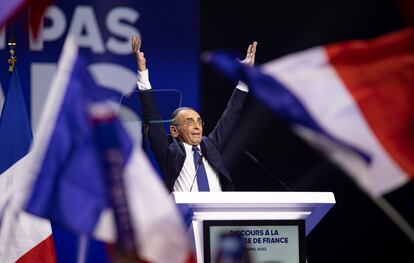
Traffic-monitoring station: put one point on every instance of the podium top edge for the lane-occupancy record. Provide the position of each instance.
(254, 197)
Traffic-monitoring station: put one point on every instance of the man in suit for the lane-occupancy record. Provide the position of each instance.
(188, 160)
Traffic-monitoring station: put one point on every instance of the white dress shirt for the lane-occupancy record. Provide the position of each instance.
(187, 181)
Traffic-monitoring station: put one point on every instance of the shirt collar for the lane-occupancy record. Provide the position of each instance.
(189, 148)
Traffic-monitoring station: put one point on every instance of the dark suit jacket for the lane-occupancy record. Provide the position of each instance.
(169, 152)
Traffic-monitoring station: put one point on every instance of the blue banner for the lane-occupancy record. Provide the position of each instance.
(169, 30)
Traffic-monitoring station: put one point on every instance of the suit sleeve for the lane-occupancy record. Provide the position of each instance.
(156, 132)
(228, 119)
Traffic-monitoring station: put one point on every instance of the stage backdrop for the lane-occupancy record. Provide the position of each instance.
(104, 28)
(169, 30)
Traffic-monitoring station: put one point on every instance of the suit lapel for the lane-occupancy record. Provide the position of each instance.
(214, 158)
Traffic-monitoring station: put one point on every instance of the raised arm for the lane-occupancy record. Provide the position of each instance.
(224, 127)
(154, 128)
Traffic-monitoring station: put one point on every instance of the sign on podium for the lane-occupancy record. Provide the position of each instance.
(260, 226)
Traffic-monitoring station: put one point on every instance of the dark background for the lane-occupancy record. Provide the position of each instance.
(355, 230)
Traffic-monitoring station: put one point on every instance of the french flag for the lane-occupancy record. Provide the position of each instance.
(86, 174)
(351, 100)
(23, 237)
(361, 92)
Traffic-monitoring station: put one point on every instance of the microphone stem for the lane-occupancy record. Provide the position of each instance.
(255, 160)
(271, 174)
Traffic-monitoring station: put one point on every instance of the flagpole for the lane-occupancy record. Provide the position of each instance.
(82, 248)
(113, 163)
(386, 207)
(395, 216)
(389, 210)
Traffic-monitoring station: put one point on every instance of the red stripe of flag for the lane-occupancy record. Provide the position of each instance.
(379, 74)
(43, 252)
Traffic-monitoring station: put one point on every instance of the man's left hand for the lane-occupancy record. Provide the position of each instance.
(250, 55)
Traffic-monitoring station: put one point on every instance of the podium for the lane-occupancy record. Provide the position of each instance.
(269, 222)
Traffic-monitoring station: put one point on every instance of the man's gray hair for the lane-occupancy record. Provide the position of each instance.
(175, 113)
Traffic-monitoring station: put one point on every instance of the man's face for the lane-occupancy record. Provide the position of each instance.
(188, 127)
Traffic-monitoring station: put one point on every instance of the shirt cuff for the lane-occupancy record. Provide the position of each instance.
(143, 80)
(243, 87)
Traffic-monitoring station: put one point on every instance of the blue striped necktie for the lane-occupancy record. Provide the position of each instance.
(201, 174)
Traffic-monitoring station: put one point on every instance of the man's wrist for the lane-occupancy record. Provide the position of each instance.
(143, 80)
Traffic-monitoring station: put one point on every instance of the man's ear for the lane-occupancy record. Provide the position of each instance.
(174, 131)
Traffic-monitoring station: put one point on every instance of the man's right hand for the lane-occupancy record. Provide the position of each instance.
(139, 56)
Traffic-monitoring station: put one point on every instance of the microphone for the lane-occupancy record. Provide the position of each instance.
(256, 161)
(196, 171)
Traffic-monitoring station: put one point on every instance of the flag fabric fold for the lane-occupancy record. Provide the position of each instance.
(10, 9)
(23, 238)
(66, 180)
(15, 131)
(351, 100)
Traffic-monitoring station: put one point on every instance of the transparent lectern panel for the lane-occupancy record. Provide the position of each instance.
(166, 102)
(130, 110)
